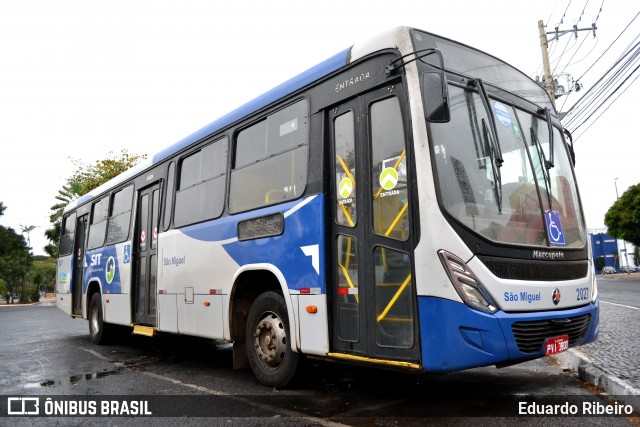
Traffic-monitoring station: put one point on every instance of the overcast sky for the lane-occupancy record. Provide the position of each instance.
(81, 78)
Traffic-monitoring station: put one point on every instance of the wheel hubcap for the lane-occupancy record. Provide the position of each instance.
(270, 340)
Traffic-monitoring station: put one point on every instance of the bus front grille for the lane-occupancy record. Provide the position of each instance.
(530, 335)
(520, 269)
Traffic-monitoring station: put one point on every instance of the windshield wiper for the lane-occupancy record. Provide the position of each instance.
(494, 142)
(495, 166)
(548, 163)
(545, 170)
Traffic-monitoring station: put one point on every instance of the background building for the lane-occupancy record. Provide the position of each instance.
(616, 253)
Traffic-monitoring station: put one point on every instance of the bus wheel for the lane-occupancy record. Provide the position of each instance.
(100, 332)
(268, 346)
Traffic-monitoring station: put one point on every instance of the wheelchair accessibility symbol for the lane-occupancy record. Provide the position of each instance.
(554, 228)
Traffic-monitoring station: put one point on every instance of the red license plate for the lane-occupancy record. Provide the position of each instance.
(556, 345)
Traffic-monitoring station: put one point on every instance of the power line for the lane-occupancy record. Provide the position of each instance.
(595, 86)
(564, 14)
(609, 106)
(607, 49)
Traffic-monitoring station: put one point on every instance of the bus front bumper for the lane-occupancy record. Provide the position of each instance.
(456, 337)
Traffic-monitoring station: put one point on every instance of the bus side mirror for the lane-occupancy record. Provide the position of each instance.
(436, 97)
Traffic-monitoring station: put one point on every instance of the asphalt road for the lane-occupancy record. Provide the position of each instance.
(45, 353)
(620, 290)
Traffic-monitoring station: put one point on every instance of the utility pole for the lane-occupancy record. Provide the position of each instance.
(548, 79)
(549, 83)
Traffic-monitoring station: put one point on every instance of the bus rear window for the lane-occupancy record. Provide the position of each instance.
(68, 233)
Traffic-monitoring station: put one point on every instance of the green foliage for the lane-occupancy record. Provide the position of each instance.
(43, 274)
(86, 178)
(3, 290)
(623, 217)
(15, 259)
(600, 263)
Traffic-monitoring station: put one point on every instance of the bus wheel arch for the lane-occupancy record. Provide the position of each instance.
(250, 283)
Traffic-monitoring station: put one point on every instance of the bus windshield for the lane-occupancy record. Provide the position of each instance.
(505, 200)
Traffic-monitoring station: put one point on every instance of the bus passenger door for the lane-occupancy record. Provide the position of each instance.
(78, 271)
(372, 296)
(146, 241)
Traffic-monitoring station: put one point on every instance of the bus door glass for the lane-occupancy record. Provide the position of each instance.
(78, 272)
(146, 259)
(373, 297)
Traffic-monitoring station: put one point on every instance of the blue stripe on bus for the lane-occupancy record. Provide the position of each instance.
(303, 226)
(298, 82)
(456, 337)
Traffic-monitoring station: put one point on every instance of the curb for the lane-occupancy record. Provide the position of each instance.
(583, 365)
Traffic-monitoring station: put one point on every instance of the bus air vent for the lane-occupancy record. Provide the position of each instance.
(519, 269)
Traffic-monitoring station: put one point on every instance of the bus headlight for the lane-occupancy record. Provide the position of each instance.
(466, 283)
(594, 286)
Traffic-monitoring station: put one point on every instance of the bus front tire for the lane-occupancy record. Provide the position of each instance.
(99, 331)
(267, 340)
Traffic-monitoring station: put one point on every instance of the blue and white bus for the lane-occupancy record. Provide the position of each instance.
(408, 203)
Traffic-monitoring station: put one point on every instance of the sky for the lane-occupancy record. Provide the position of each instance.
(80, 79)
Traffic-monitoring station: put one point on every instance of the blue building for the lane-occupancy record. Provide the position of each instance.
(603, 245)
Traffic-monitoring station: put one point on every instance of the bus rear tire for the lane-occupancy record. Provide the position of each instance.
(267, 340)
(99, 331)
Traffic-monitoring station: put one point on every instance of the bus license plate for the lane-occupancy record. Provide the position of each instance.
(556, 345)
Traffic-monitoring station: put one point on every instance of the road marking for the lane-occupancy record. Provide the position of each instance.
(246, 401)
(620, 305)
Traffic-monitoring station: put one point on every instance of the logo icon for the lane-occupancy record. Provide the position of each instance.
(554, 228)
(110, 271)
(345, 188)
(389, 178)
(23, 406)
(556, 296)
(127, 254)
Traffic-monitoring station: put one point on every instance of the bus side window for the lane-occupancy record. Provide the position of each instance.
(98, 228)
(270, 163)
(390, 196)
(201, 186)
(120, 217)
(68, 235)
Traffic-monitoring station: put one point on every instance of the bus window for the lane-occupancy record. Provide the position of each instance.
(120, 217)
(389, 170)
(68, 233)
(98, 227)
(394, 298)
(345, 169)
(200, 194)
(271, 160)
(348, 299)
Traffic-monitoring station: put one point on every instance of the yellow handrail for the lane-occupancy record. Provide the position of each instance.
(394, 299)
(395, 221)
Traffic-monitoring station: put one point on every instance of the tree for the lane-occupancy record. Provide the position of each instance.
(43, 273)
(623, 217)
(86, 178)
(15, 259)
(600, 263)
